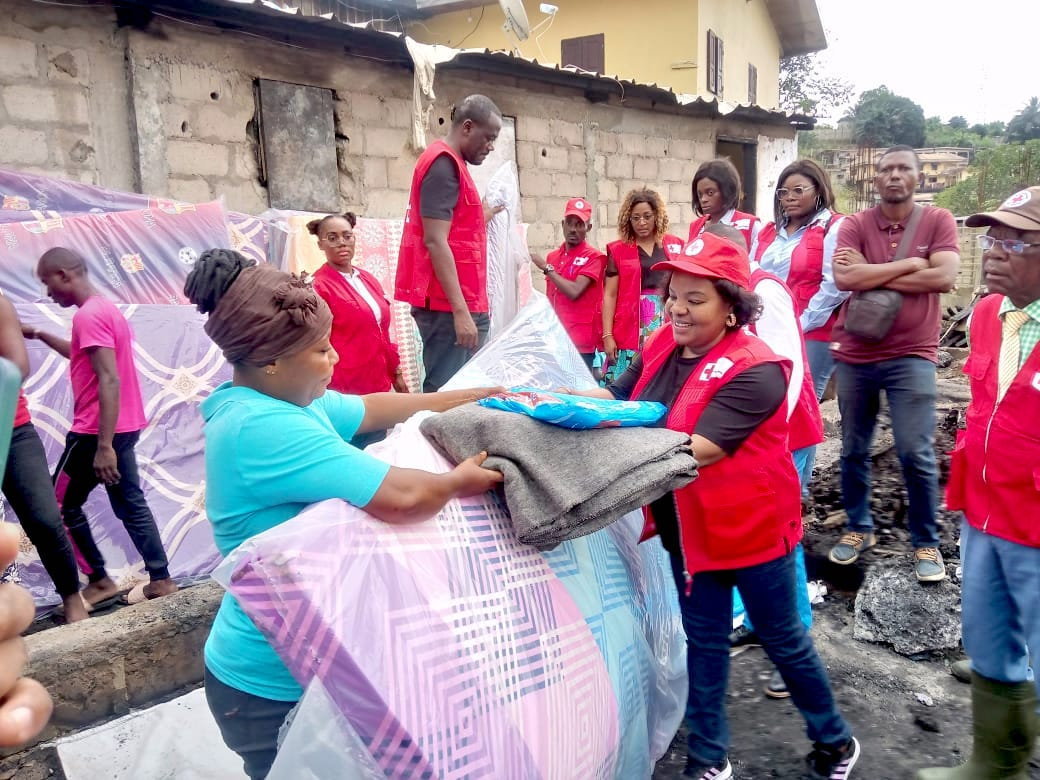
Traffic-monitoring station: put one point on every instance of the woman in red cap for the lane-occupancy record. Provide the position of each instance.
(574, 280)
(738, 523)
(632, 308)
(716, 193)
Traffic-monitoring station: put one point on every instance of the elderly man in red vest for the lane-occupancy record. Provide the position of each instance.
(442, 265)
(995, 481)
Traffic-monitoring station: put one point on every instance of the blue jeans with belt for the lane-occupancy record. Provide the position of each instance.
(909, 386)
(768, 590)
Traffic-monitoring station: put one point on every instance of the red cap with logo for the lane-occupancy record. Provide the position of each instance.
(713, 257)
(578, 207)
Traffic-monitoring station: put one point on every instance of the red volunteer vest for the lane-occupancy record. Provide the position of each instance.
(416, 282)
(806, 422)
(746, 508)
(995, 465)
(742, 221)
(806, 272)
(582, 318)
(368, 359)
(630, 286)
(21, 412)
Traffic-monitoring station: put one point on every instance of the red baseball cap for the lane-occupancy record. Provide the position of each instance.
(578, 207)
(713, 257)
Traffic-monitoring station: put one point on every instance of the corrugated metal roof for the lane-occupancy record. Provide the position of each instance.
(282, 20)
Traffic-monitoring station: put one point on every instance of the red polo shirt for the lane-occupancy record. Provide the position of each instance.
(915, 332)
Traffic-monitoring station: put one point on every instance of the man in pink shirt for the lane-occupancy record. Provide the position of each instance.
(107, 422)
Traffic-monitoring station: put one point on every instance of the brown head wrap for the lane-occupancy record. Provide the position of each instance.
(261, 314)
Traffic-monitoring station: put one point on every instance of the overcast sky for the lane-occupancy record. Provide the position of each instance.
(979, 59)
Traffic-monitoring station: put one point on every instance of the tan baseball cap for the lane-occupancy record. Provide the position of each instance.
(1021, 211)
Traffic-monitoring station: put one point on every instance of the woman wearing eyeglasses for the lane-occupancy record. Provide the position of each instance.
(632, 307)
(799, 248)
(368, 360)
(716, 193)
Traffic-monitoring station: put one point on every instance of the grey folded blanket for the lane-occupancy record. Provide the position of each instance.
(561, 484)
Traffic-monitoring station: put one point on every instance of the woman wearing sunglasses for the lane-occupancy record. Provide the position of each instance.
(798, 246)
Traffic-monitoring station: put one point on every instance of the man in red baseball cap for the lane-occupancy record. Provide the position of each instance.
(574, 280)
(994, 476)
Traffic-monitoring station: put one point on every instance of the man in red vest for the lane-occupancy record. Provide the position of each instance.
(442, 265)
(574, 280)
(995, 481)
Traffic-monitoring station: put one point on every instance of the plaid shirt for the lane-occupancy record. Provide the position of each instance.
(1029, 334)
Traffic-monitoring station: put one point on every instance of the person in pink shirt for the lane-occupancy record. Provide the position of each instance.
(108, 416)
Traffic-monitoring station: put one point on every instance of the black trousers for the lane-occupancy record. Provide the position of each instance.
(125, 496)
(248, 724)
(442, 357)
(27, 485)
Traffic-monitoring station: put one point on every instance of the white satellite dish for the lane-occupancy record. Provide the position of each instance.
(516, 18)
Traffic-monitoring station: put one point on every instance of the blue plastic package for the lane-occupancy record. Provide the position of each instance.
(574, 411)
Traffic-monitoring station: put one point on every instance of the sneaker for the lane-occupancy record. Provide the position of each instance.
(928, 565)
(851, 544)
(742, 638)
(827, 762)
(776, 688)
(719, 771)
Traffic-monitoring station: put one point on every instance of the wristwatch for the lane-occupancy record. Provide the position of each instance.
(549, 268)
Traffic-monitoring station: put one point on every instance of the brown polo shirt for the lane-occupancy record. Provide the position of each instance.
(915, 332)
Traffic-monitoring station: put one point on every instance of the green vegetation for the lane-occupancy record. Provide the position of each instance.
(883, 118)
(804, 90)
(994, 175)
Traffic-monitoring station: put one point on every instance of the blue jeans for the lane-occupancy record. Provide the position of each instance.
(1000, 612)
(821, 364)
(768, 590)
(909, 385)
(801, 593)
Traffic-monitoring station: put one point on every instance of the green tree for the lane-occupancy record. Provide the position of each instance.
(994, 175)
(957, 123)
(883, 118)
(980, 130)
(1026, 124)
(805, 90)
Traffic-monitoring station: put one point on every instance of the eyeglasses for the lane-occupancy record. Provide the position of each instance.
(783, 192)
(641, 218)
(338, 238)
(1010, 245)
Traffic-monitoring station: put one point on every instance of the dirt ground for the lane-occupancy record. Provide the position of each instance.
(877, 689)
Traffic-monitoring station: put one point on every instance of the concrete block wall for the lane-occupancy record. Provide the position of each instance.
(171, 111)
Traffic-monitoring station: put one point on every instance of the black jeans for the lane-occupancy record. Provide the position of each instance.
(249, 724)
(442, 357)
(125, 496)
(27, 485)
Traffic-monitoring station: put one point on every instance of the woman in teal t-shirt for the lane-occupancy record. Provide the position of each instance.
(276, 441)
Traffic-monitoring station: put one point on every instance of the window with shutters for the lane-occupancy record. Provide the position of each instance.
(586, 53)
(714, 63)
(752, 84)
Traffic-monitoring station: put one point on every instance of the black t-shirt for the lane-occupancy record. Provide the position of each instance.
(734, 412)
(652, 280)
(439, 191)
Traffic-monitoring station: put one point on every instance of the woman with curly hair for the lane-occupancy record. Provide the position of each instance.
(716, 193)
(632, 307)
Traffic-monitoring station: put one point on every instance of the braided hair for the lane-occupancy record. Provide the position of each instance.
(212, 275)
